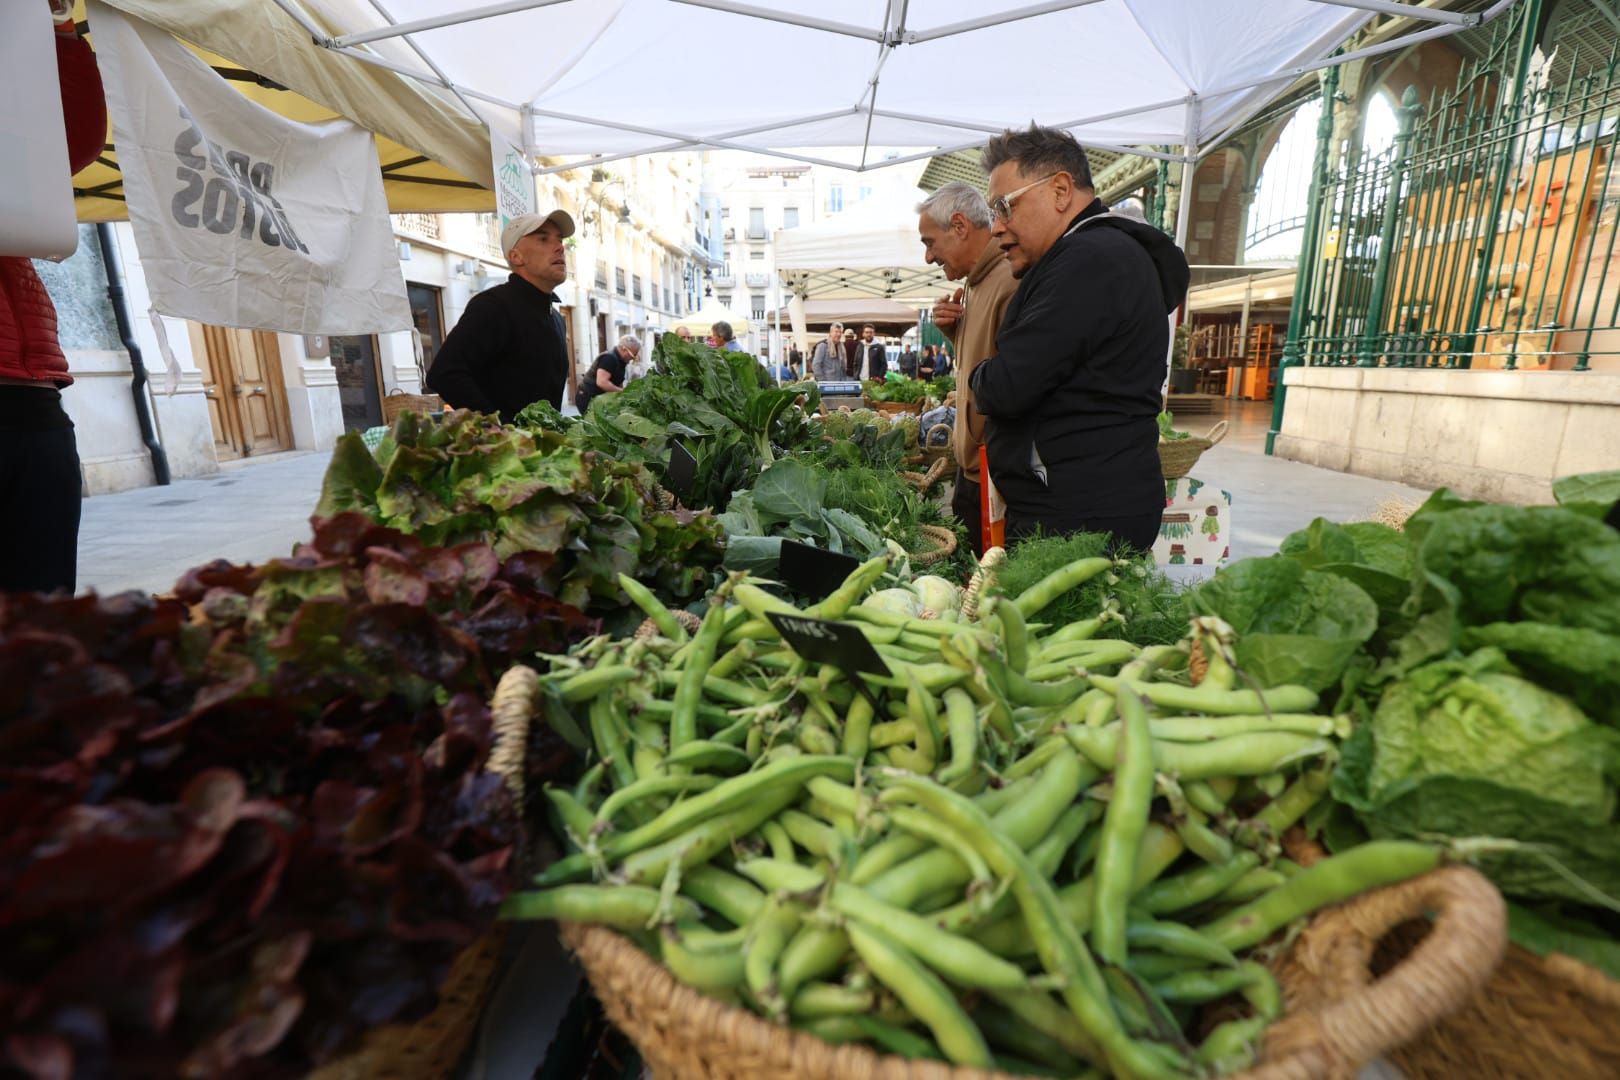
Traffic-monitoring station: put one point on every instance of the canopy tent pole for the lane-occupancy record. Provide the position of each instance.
(1189, 169)
(437, 22)
(1410, 11)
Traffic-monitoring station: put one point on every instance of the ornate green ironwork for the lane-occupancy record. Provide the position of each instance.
(1292, 354)
(1485, 236)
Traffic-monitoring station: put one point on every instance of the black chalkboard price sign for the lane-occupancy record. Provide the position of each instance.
(813, 571)
(682, 473)
(823, 641)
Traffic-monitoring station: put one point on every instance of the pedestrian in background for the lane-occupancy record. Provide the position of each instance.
(908, 362)
(925, 366)
(852, 356)
(827, 362)
(873, 357)
(610, 373)
(722, 337)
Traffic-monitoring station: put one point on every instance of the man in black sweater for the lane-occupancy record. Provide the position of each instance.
(510, 347)
(1074, 388)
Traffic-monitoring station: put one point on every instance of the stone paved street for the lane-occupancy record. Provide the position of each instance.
(249, 512)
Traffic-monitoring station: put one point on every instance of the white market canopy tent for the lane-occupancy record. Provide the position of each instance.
(868, 252)
(785, 77)
(711, 312)
(788, 76)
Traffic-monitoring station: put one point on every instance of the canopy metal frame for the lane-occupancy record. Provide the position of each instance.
(892, 34)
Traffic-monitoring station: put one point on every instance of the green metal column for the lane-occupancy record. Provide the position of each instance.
(1298, 312)
(1373, 332)
(1161, 195)
(1476, 305)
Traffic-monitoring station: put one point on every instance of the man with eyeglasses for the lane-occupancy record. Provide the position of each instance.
(1074, 388)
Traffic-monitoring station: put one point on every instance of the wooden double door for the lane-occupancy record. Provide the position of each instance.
(247, 400)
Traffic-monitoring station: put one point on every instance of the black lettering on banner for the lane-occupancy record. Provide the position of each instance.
(263, 174)
(238, 162)
(220, 206)
(186, 197)
(234, 198)
(186, 143)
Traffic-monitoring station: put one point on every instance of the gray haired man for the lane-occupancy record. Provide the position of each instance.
(607, 375)
(954, 225)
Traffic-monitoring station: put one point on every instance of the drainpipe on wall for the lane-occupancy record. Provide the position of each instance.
(120, 306)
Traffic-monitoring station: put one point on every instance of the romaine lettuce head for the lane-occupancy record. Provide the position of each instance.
(1294, 625)
(1473, 719)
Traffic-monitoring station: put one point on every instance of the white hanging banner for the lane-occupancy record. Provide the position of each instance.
(514, 183)
(244, 218)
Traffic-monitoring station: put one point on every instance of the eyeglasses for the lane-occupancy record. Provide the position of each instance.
(1002, 205)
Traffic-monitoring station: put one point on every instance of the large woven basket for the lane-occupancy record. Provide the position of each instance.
(1337, 1017)
(432, 1047)
(401, 402)
(896, 407)
(1178, 456)
(1549, 1016)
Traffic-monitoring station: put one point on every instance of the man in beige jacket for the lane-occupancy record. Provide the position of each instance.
(954, 224)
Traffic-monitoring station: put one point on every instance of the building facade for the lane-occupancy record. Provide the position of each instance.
(752, 196)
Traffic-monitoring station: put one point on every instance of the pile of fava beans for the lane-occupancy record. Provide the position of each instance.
(1024, 847)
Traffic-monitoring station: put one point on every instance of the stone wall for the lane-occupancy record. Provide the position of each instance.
(1498, 435)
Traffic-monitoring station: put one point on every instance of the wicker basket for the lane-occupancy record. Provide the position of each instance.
(1337, 1019)
(894, 408)
(982, 579)
(1178, 456)
(400, 402)
(945, 452)
(924, 481)
(1549, 1016)
(433, 1046)
(943, 541)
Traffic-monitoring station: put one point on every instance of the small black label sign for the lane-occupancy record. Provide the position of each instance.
(681, 473)
(822, 641)
(813, 571)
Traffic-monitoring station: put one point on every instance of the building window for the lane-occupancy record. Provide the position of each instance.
(601, 275)
(835, 198)
(865, 192)
(757, 303)
(725, 299)
(635, 287)
(756, 256)
(756, 223)
(618, 281)
(790, 217)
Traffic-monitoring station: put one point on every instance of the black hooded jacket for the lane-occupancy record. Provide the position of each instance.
(1074, 388)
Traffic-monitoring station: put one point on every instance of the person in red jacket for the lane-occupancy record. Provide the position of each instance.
(39, 459)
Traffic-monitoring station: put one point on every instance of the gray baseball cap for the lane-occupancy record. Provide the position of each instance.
(524, 224)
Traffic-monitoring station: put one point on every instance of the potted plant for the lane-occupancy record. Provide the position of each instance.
(1183, 379)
